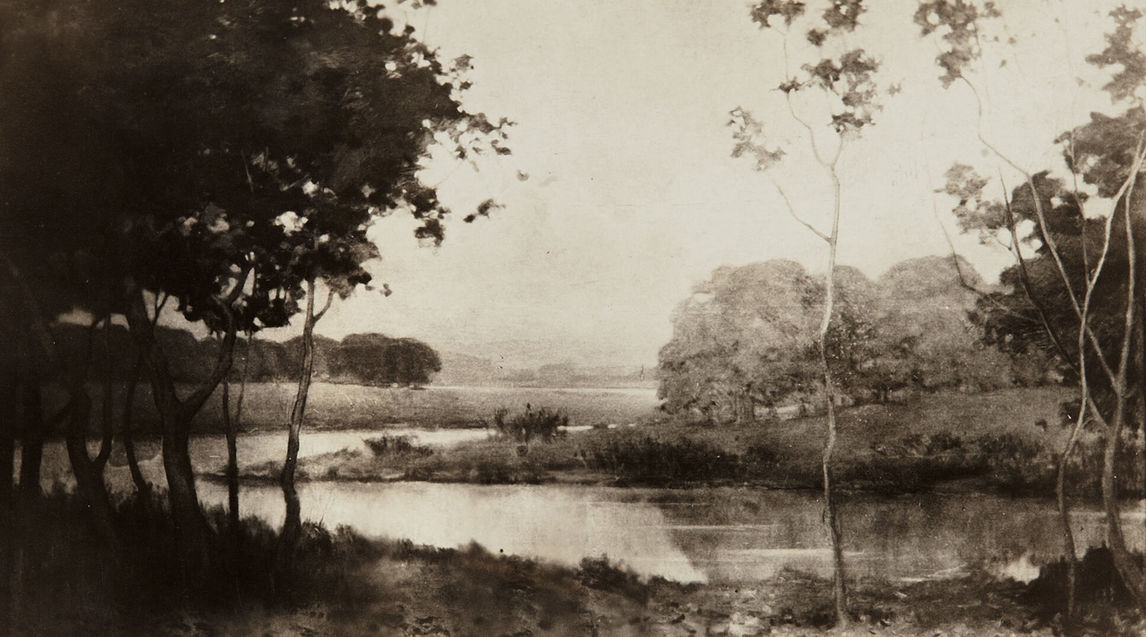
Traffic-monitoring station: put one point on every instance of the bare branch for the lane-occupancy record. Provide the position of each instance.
(792, 211)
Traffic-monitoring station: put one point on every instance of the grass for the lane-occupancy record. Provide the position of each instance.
(971, 441)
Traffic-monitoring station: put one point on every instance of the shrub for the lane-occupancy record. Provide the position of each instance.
(544, 424)
(647, 460)
(396, 446)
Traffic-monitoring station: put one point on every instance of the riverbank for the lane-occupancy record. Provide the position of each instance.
(1005, 442)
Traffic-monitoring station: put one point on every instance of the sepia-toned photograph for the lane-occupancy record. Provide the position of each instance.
(608, 318)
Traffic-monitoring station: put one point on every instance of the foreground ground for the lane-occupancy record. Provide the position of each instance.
(345, 585)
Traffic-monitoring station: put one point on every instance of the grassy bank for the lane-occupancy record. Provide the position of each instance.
(343, 584)
(1007, 441)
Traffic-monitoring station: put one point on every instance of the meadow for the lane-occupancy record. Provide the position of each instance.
(333, 406)
(1005, 441)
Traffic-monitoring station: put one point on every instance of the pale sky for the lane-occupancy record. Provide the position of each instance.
(621, 109)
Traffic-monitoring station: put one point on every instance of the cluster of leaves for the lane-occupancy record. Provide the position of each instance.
(1121, 50)
(974, 211)
(763, 12)
(851, 78)
(848, 79)
(748, 133)
(959, 19)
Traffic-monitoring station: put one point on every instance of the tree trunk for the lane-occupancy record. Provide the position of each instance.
(191, 529)
(232, 461)
(292, 525)
(7, 456)
(1128, 568)
(1068, 545)
(8, 535)
(839, 587)
(88, 474)
(127, 432)
(32, 440)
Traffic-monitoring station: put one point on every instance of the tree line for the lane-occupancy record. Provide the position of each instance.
(363, 359)
(744, 342)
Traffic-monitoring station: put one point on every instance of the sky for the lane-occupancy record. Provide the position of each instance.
(632, 197)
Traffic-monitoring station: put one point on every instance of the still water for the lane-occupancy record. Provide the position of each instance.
(726, 535)
(717, 535)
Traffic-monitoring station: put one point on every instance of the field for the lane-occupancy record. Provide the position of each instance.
(1004, 441)
(334, 406)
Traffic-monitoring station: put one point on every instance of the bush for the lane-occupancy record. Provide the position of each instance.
(544, 424)
(647, 460)
(396, 446)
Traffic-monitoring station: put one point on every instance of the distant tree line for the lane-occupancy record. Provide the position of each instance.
(745, 340)
(365, 359)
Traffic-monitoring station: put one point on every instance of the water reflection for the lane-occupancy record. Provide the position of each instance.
(556, 524)
(722, 535)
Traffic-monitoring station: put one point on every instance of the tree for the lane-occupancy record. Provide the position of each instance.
(173, 148)
(845, 80)
(1077, 292)
(739, 339)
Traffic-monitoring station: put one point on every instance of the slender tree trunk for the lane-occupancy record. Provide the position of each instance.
(292, 525)
(234, 424)
(232, 471)
(127, 432)
(31, 456)
(32, 440)
(839, 586)
(7, 453)
(8, 525)
(1068, 548)
(1128, 568)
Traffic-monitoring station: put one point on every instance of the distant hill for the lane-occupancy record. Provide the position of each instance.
(464, 369)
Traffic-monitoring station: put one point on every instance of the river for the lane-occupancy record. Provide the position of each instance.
(727, 535)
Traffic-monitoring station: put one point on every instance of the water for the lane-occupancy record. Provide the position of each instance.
(725, 535)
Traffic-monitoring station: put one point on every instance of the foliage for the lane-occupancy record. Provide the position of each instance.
(746, 337)
(960, 37)
(364, 359)
(384, 446)
(650, 460)
(244, 134)
(542, 424)
(379, 360)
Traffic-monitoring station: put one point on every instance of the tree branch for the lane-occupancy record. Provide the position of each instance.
(792, 211)
(325, 306)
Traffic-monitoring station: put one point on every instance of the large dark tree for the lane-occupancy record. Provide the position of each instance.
(229, 155)
(1076, 288)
